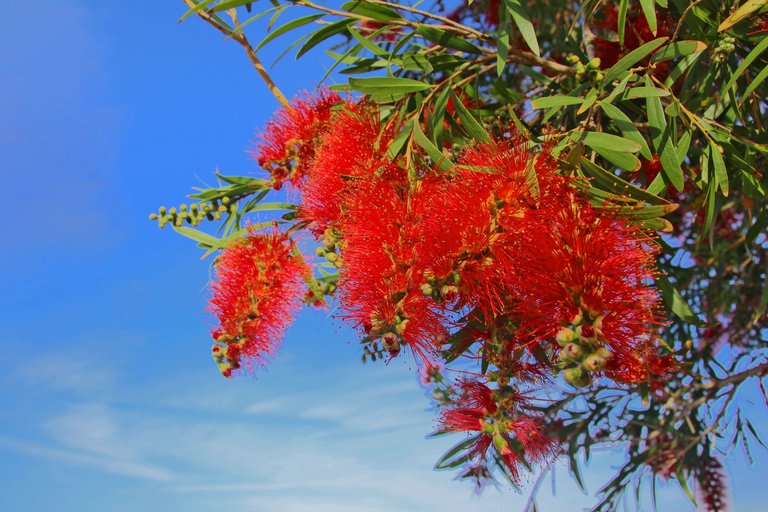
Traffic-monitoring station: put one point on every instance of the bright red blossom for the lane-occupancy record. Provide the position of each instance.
(286, 147)
(256, 292)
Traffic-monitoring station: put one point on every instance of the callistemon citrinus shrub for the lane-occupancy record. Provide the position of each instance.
(553, 210)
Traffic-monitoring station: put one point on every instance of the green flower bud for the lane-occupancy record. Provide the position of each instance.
(571, 375)
(225, 200)
(153, 216)
(320, 251)
(593, 363)
(604, 353)
(331, 256)
(183, 207)
(329, 242)
(162, 210)
(582, 382)
(565, 336)
(427, 289)
(391, 343)
(594, 63)
(572, 351)
(172, 211)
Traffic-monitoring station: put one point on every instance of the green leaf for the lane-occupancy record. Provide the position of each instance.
(324, 33)
(199, 6)
(447, 40)
(229, 4)
(649, 11)
(621, 28)
(678, 49)
(754, 83)
(299, 22)
(369, 10)
(675, 301)
(626, 161)
(748, 60)
(555, 101)
(448, 461)
(387, 85)
(523, 21)
(367, 43)
(442, 162)
(632, 58)
(720, 172)
(617, 185)
(644, 92)
(742, 12)
(627, 127)
(204, 239)
(588, 101)
(468, 121)
(609, 142)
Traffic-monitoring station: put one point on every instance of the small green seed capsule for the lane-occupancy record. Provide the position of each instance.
(572, 351)
(593, 363)
(572, 374)
(565, 336)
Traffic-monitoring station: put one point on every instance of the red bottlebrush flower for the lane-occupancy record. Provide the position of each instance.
(466, 232)
(712, 488)
(517, 439)
(590, 271)
(286, 148)
(258, 286)
(353, 150)
(377, 286)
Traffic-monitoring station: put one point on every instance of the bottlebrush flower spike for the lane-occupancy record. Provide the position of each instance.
(712, 489)
(286, 147)
(258, 288)
(516, 437)
(352, 150)
(378, 289)
(588, 272)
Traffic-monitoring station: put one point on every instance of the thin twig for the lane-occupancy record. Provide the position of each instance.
(243, 41)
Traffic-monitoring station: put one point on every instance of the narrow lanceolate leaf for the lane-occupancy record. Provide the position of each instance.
(369, 10)
(324, 33)
(755, 83)
(720, 172)
(588, 101)
(649, 11)
(443, 38)
(450, 459)
(610, 142)
(644, 92)
(204, 239)
(742, 12)
(675, 301)
(555, 101)
(748, 60)
(623, 6)
(299, 22)
(626, 161)
(627, 127)
(678, 49)
(473, 127)
(523, 21)
(615, 184)
(442, 162)
(632, 58)
(387, 85)
(662, 141)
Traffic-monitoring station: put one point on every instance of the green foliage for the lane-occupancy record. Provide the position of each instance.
(666, 128)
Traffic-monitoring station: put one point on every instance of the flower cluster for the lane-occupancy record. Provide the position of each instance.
(498, 255)
(259, 281)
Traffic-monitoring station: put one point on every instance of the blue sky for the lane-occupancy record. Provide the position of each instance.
(108, 397)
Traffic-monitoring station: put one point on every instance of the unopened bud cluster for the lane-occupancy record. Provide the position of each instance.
(589, 72)
(582, 353)
(441, 289)
(194, 213)
(724, 48)
(329, 249)
(226, 351)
